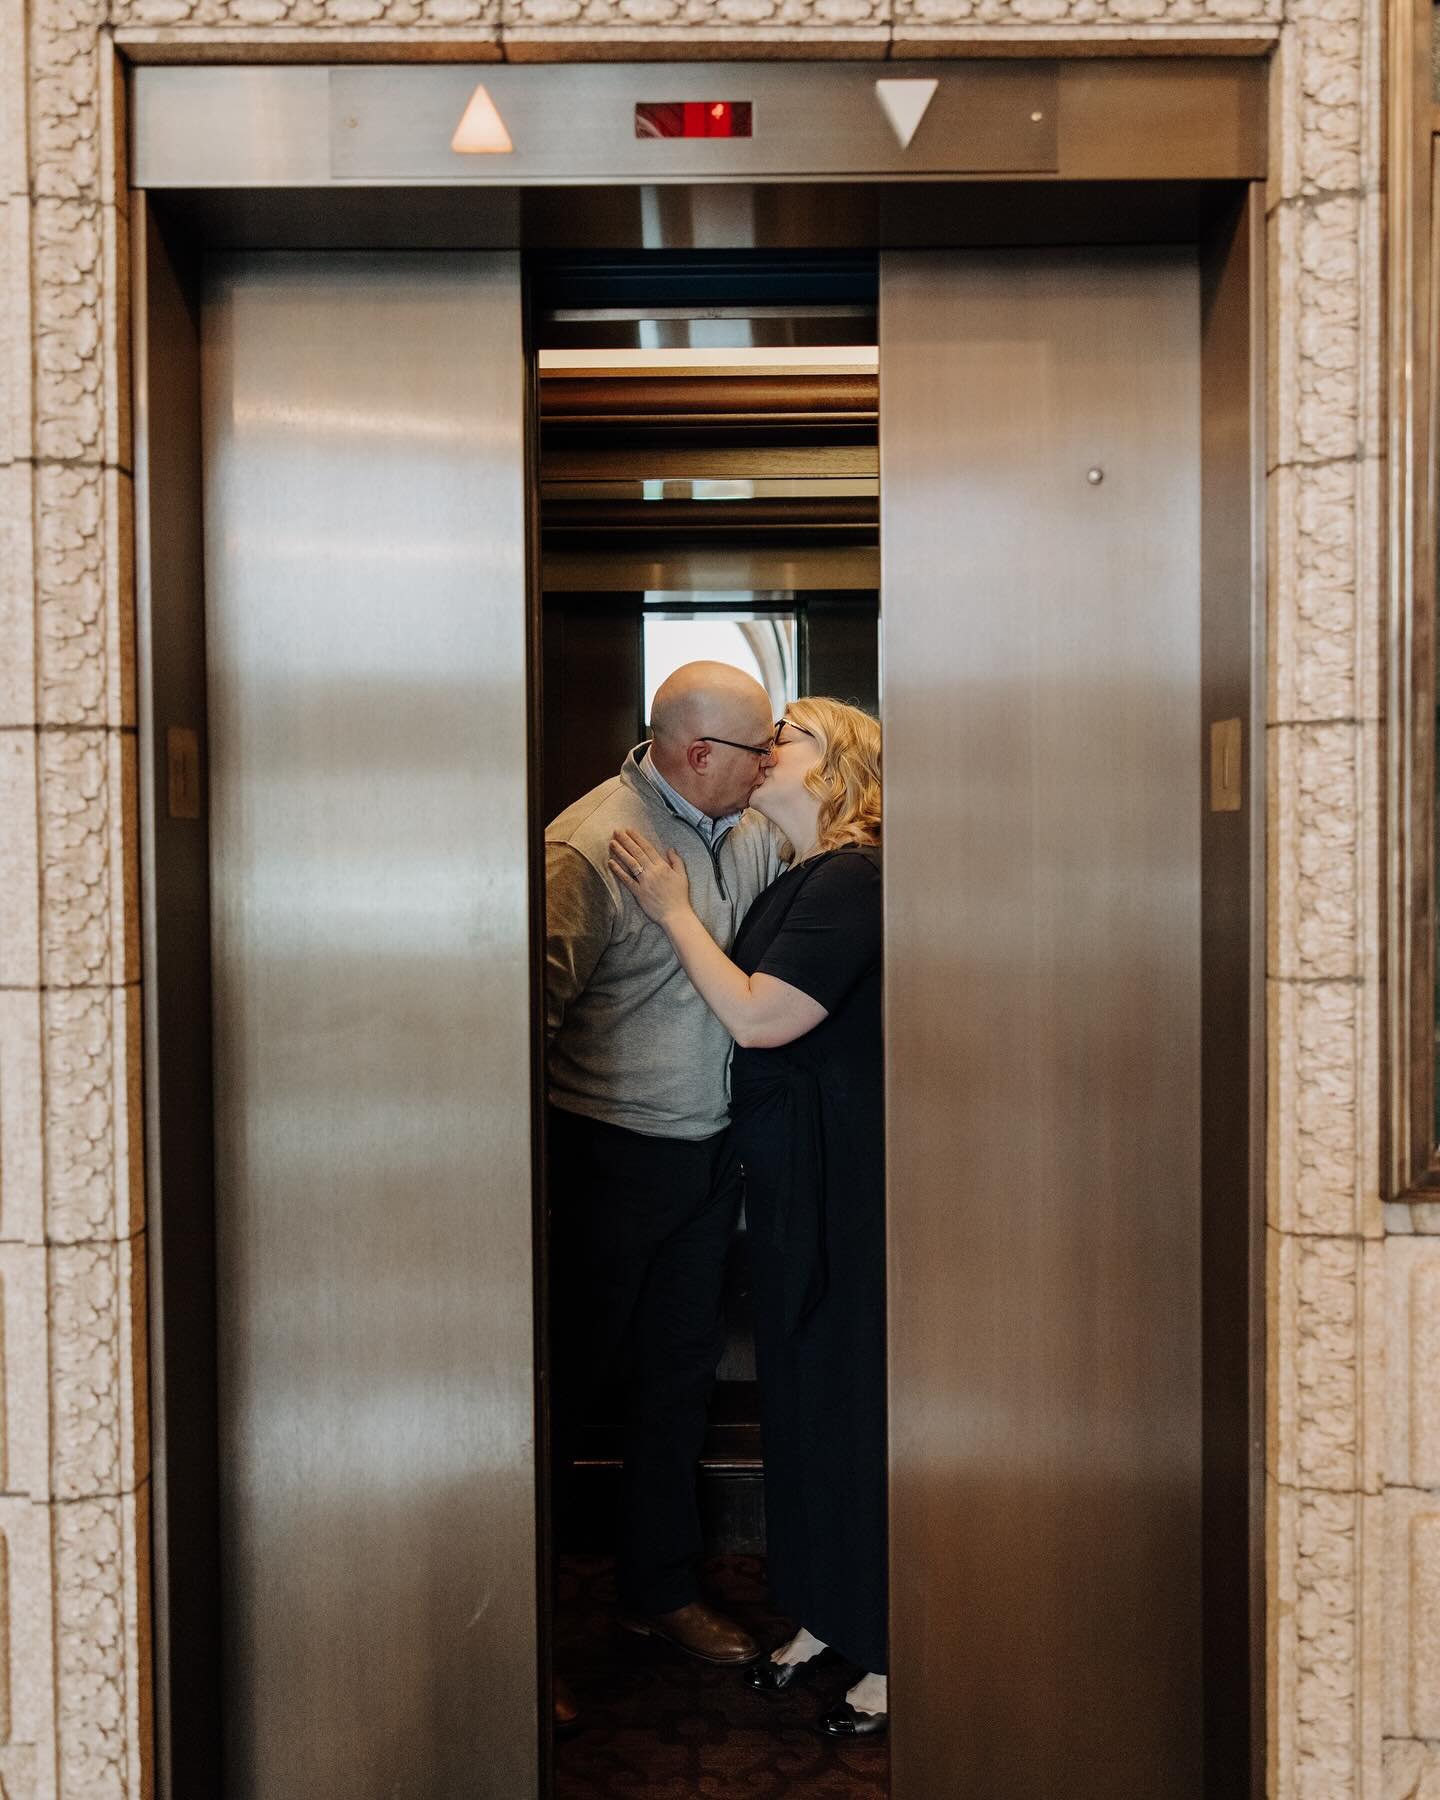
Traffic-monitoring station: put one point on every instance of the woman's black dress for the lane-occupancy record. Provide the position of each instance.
(810, 1123)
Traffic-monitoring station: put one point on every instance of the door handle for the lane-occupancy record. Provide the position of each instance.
(1225, 765)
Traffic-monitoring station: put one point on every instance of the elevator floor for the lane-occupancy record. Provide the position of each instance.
(663, 1727)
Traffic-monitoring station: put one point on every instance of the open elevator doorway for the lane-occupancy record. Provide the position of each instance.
(709, 490)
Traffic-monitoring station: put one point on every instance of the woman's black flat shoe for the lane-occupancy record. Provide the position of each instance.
(771, 1678)
(843, 1721)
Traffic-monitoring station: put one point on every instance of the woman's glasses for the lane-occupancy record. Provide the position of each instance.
(775, 742)
(784, 725)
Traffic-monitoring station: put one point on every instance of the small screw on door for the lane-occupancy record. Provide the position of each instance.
(1035, 118)
(1094, 476)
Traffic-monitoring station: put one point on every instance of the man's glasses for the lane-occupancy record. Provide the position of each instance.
(760, 749)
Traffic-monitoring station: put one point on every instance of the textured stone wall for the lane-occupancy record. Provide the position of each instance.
(1327, 1285)
(1354, 1443)
(73, 1457)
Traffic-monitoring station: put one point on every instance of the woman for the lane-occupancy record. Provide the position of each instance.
(801, 998)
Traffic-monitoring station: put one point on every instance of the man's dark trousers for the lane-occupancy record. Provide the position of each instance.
(639, 1231)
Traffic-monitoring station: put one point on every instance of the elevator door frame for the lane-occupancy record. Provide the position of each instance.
(176, 971)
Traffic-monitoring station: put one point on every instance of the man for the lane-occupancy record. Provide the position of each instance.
(644, 1196)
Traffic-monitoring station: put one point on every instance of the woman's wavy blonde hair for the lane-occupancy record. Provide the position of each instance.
(846, 780)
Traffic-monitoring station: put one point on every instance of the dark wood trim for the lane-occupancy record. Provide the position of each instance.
(1232, 1056)
(700, 400)
(701, 461)
(1413, 1166)
(175, 994)
(535, 875)
(849, 519)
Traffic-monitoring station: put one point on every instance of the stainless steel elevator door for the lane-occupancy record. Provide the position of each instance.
(1041, 642)
(366, 638)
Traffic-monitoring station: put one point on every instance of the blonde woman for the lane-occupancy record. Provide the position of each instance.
(801, 998)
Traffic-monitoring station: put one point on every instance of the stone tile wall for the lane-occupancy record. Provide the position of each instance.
(73, 1454)
(1354, 1440)
(1326, 1292)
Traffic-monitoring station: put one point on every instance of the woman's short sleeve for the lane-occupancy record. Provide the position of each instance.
(831, 936)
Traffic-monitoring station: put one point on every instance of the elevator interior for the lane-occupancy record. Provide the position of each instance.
(708, 487)
(357, 617)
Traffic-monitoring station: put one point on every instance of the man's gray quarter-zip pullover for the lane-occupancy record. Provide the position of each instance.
(629, 1041)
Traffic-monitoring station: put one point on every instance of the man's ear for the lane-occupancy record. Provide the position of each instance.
(698, 756)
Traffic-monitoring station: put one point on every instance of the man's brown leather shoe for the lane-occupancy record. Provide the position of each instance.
(699, 1631)
(567, 1713)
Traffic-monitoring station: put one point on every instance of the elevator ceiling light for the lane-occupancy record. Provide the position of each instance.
(905, 103)
(481, 131)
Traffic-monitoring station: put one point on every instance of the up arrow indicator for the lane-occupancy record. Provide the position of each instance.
(905, 104)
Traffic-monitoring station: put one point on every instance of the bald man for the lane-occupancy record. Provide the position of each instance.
(644, 1195)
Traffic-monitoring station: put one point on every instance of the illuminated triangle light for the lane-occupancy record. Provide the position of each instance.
(905, 103)
(481, 131)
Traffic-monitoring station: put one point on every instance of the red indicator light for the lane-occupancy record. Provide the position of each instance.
(694, 119)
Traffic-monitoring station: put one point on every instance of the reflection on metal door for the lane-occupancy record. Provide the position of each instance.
(366, 635)
(1041, 629)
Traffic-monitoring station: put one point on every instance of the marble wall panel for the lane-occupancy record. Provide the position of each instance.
(27, 1649)
(1412, 1771)
(1412, 1323)
(24, 1373)
(15, 329)
(88, 858)
(1326, 550)
(22, 1134)
(1324, 1552)
(19, 861)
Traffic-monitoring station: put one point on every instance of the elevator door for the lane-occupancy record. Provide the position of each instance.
(1041, 644)
(365, 619)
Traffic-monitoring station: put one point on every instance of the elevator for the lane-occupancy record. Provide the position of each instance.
(397, 571)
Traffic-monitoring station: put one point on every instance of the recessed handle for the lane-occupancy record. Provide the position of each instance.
(1225, 765)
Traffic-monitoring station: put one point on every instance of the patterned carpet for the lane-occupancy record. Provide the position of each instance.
(660, 1726)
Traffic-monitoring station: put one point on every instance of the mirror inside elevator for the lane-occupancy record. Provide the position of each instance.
(708, 480)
